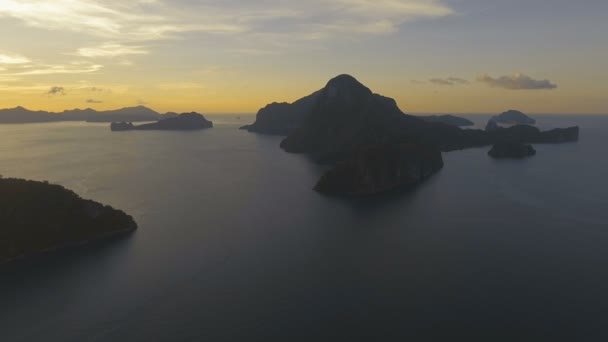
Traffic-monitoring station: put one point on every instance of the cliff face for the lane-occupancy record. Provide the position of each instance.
(182, 122)
(37, 216)
(381, 168)
(282, 118)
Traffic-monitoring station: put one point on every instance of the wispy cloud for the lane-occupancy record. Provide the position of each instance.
(76, 68)
(93, 101)
(111, 50)
(126, 20)
(13, 59)
(145, 20)
(450, 81)
(516, 81)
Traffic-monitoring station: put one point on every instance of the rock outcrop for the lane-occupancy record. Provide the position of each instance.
(512, 150)
(182, 122)
(37, 217)
(381, 168)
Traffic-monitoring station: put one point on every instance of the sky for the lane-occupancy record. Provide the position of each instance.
(235, 56)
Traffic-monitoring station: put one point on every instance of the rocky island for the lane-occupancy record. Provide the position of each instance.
(36, 217)
(345, 117)
(182, 122)
(512, 150)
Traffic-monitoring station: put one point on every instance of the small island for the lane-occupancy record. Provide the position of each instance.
(380, 168)
(511, 150)
(39, 217)
(183, 122)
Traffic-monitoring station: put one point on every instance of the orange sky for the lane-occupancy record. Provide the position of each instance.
(236, 56)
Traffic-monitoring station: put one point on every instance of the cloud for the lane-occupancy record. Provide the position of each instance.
(516, 81)
(141, 102)
(93, 101)
(74, 68)
(125, 20)
(13, 59)
(12, 65)
(450, 81)
(56, 90)
(146, 20)
(111, 50)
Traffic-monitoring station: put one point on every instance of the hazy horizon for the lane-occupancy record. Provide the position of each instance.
(432, 56)
(255, 113)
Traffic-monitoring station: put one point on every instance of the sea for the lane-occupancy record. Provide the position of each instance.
(234, 245)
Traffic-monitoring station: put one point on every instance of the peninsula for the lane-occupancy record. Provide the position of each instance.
(38, 217)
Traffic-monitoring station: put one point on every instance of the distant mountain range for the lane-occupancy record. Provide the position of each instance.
(129, 114)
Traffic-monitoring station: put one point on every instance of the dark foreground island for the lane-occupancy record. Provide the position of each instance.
(182, 122)
(36, 217)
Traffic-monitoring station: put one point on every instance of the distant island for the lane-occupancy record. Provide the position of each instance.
(448, 120)
(130, 114)
(181, 122)
(513, 117)
(337, 122)
(38, 217)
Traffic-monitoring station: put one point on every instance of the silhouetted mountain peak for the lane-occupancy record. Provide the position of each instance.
(345, 87)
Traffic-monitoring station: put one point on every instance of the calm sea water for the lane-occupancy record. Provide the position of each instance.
(234, 245)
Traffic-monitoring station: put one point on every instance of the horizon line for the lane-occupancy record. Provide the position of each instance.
(255, 113)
